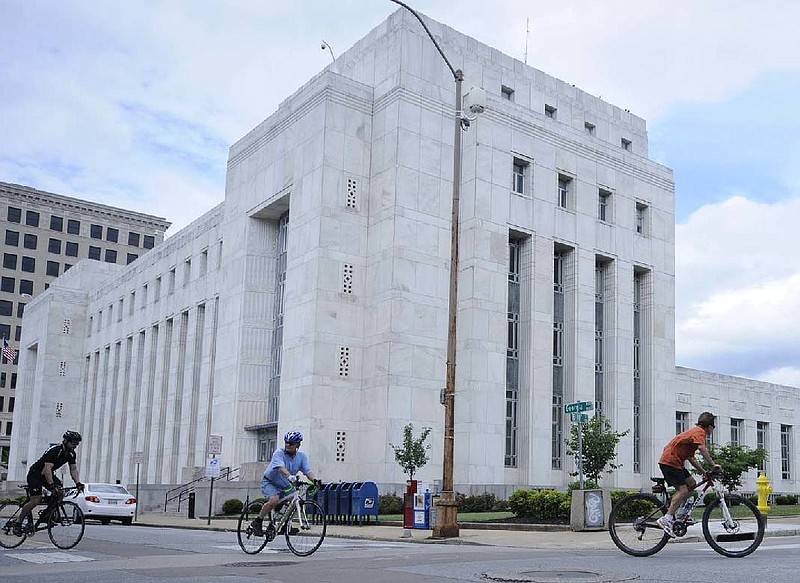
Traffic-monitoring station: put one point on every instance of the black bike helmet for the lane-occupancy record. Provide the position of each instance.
(73, 436)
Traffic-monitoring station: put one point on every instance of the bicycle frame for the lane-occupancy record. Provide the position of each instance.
(708, 483)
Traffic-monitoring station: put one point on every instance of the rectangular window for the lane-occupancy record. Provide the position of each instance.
(73, 227)
(12, 238)
(71, 249)
(550, 111)
(17, 333)
(52, 268)
(21, 307)
(625, 144)
(132, 303)
(8, 284)
(8, 427)
(56, 223)
(589, 127)
(96, 231)
(28, 264)
(112, 235)
(641, 218)
(786, 452)
(6, 308)
(14, 215)
(564, 191)
(5, 331)
(94, 252)
(203, 262)
(681, 421)
(133, 239)
(9, 261)
(506, 93)
(144, 296)
(519, 176)
(111, 256)
(762, 441)
(187, 272)
(171, 281)
(31, 241)
(131, 257)
(157, 290)
(54, 246)
(32, 218)
(737, 431)
(604, 205)
(26, 286)
(149, 241)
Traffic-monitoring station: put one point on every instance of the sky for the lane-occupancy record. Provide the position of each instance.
(135, 104)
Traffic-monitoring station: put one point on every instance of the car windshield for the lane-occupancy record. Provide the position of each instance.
(108, 488)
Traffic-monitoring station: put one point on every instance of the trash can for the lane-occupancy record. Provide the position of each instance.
(343, 505)
(331, 501)
(364, 501)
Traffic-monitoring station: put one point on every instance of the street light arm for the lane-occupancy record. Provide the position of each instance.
(457, 75)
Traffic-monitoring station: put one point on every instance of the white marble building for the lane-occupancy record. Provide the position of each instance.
(334, 322)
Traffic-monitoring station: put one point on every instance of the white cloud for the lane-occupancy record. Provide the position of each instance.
(785, 375)
(738, 287)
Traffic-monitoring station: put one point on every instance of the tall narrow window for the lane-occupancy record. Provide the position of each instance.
(506, 93)
(550, 111)
(681, 421)
(786, 452)
(557, 433)
(273, 398)
(564, 188)
(737, 431)
(512, 353)
(762, 441)
(519, 176)
(641, 218)
(637, 372)
(604, 205)
(599, 308)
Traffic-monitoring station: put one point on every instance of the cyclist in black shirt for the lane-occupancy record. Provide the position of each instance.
(41, 473)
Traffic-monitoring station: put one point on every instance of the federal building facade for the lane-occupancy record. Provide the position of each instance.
(315, 297)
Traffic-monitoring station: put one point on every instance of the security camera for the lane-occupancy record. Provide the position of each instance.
(475, 100)
(322, 46)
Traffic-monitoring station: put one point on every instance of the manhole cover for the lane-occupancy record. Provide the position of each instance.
(558, 576)
(261, 564)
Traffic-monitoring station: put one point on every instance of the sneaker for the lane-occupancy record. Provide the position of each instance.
(257, 525)
(17, 529)
(686, 519)
(666, 525)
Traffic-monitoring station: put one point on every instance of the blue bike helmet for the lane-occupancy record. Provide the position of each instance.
(293, 437)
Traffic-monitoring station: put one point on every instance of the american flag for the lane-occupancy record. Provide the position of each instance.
(8, 352)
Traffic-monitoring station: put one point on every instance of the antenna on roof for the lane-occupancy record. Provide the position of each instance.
(527, 34)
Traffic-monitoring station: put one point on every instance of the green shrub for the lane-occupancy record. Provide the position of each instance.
(540, 504)
(390, 504)
(709, 498)
(485, 502)
(587, 485)
(617, 495)
(785, 499)
(232, 506)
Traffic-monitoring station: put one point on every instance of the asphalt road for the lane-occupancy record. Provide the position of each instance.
(119, 554)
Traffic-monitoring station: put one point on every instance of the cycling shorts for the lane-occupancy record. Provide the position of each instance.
(36, 483)
(674, 476)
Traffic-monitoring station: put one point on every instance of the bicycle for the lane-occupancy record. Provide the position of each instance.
(300, 520)
(732, 525)
(62, 519)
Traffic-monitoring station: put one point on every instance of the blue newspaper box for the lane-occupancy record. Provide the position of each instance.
(364, 501)
(330, 494)
(422, 510)
(343, 505)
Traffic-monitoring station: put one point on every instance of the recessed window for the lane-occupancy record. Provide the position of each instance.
(71, 249)
(112, 235)
(14, 215)
(32, 218)
(589, 127)
(9, 261)
(6, 308)
(26, 286)
(604, 205)
(94, 252)
(506, 93)
(550, 111)
(519, 176)
(111, 256)
(12, 238)
(30, 241)
(8, 284)
(133, 239)
(96, 232)
(21, 306)
(28, 264)
(564, 191)
(149, 242)
(52, 268)
(641, 218)
(54, 245)
(56, 223)
(73, 227)
(131, 258)
(625, 144)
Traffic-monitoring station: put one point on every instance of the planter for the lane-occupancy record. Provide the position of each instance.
(589, 510)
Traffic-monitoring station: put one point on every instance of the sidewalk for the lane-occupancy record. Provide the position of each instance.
(510, 536)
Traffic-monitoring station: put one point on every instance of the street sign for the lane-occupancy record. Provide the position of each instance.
(578, 407)
(214, 445)
(212, 468)
(138, 457)
(579, 417)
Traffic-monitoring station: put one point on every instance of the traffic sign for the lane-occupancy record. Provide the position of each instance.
(578, 407)
(214, 444)
(579, 417)
(212, 468)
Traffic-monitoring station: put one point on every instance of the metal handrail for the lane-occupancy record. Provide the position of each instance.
(226, 473)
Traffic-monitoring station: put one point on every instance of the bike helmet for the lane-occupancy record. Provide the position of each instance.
(73, 436)
(293, 437)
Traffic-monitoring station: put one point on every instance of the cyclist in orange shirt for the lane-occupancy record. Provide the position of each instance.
(681, 448)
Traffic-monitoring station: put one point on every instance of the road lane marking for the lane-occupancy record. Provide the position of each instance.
(43, 558)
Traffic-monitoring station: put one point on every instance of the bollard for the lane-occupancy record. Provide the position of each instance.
(191, 504)
(764, 489)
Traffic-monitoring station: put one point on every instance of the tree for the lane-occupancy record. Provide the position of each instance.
(599, 447)
(411, 455)
(735, 461)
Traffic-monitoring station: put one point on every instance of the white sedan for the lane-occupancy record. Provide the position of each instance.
(107, 502)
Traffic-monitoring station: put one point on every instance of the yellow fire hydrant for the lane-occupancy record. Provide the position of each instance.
(764, 489)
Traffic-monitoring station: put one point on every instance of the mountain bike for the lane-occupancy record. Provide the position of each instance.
(301, 520)
(62, 519)
(732, 524)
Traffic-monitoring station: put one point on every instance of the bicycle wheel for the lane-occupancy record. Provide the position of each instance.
(740, 538)
(9, 513)
(248, 541)
(65, 525)
(305, 530)
(633, 528)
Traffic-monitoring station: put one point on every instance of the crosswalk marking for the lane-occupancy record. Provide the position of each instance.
(42, 558)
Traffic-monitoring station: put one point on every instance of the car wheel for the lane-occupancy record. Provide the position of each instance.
(127, 521)
(105, 521)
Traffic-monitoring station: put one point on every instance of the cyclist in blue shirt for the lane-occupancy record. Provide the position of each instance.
(277, 482)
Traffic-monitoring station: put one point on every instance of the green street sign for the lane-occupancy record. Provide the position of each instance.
(578, 407)
(579, 417)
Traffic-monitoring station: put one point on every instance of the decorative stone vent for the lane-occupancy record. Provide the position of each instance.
(347, 278)
(352, 191)
(67, 326)
(59, 409)
(344, 361)
(62, 368)
(341, 445)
